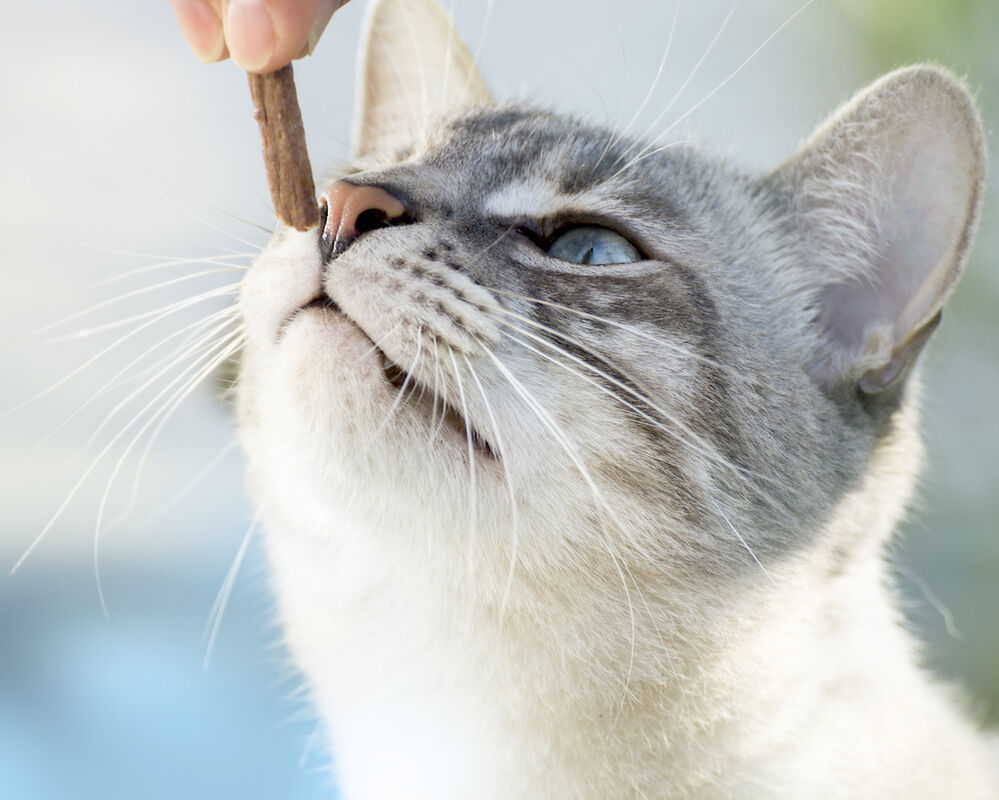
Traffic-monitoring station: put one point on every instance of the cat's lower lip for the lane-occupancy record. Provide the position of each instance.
(322, 301)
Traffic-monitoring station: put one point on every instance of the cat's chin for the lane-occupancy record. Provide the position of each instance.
(330, 353)
(327, 348)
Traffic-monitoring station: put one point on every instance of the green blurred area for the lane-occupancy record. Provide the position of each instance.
(906, 30)
(949, 559)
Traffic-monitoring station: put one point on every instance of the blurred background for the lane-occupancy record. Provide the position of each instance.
(121, 153)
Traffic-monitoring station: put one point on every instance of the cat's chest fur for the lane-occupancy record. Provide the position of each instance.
(429, 696)
(578, 455)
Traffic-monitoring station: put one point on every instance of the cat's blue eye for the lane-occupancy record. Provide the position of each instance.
(591, 244)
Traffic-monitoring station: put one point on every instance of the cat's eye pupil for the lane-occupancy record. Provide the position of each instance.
(593, 245)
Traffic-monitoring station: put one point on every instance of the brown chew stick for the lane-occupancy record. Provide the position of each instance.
(289, 174)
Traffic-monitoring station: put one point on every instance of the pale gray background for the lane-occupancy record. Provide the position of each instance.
(117, 146)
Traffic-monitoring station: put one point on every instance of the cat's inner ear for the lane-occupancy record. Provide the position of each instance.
(887, 193)
(414, 69)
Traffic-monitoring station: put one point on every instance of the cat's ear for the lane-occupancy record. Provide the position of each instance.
(887, 193)
(414, 69)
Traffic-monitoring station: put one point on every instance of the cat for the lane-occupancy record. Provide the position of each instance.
(578, 455)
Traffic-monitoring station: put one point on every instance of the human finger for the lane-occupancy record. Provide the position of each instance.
(264, 35)
(201, 23)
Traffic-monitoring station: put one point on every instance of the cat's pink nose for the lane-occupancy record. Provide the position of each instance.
(352, 210)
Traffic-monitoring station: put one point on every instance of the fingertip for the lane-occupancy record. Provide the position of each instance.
(202, 28)
(294, 24)
(250, 35)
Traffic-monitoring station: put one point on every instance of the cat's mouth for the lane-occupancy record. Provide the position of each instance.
(428, 402)
(321, 301)
(440, 413)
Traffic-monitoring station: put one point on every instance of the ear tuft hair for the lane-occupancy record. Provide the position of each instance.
(887, 193)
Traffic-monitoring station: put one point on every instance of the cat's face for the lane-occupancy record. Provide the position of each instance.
(469, 377)
(702, 399)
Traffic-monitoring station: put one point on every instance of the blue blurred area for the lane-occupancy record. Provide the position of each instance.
(93, 708)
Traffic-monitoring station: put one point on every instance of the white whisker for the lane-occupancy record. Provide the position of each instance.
(690, 77)
(161, 370)
(114, 381)
(159, 316)
(400, 394)
(486, 22)
(188, 488)
(617, 134)
(664, 343)
(76, 487)
(546, 420)
(164, 411)
(738, 69)
(168, 262)
(129, 295)
(472, 486)
(695, 442)
(651, 144)
(156, 313)
(438, 397)
(496, 437)
(219, 229)
(225, 592)
(223, 342)
(743, 541)
(648, 153)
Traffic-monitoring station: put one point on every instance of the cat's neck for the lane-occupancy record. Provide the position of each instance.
(432, 687)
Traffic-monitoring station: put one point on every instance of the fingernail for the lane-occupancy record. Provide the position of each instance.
(249, 31)
(326, 9)
(202, 28)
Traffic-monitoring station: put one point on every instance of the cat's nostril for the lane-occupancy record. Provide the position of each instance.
(370, 220)
(349, 211)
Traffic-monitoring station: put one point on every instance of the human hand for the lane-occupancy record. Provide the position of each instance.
(259, 35)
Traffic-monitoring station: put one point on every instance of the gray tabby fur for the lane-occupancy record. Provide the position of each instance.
(621, 531)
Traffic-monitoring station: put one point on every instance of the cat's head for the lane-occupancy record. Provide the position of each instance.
(525, 340)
